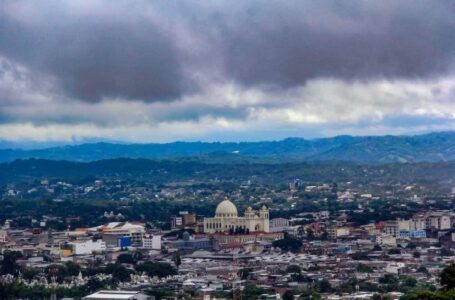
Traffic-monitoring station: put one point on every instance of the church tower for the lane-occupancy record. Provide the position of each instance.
(264, 216)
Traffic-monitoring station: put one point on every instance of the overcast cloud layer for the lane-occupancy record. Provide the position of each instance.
(154, 71)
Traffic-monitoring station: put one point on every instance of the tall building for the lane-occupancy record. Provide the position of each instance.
(226, 219)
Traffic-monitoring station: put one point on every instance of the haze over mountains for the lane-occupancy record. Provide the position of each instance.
(431, 147)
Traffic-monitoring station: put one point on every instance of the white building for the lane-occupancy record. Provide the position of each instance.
(386, 240)
(393, 228)
(438, 220)
(152, 242)
(226, 218)
(3, 235)
(88, 247)
(395, 268)
(118, 295)
(336, 232)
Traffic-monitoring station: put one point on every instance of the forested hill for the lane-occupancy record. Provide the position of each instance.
(197, 170)
(381, 149)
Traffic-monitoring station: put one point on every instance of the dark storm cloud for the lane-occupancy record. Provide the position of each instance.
(93, 57)
(290, 44)
(153, 51)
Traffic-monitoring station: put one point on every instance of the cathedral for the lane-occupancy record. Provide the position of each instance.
(227, 220)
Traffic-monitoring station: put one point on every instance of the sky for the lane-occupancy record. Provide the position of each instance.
(160, 71)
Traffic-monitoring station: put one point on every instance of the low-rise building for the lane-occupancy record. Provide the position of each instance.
(83, 247)
(118, 295)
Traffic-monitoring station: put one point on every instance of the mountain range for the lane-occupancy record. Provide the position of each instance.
(432, 147)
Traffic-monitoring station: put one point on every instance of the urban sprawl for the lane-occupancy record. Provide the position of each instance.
(224, 240)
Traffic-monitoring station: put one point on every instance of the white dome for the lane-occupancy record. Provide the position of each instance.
(226, 209)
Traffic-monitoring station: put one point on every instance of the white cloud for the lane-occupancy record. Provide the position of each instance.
(32, 109)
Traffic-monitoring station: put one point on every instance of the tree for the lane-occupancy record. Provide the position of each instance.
(156, 269)
(293, 269)
(251, 291)
(447, 276)
(120, 273)
(126, 258)
(94, 284)
(29, 273)
(288, 244)
(309, 234)
(324, 235)
(138, 256)
(324, 286)
(362, 268)
(244, 273)
(9, 264)
(394, 251)
(72, 269)
(388, 279)
(410, 281)
(359, 256)
(59, 271)
(446, 252)
(288, 295)
(376, 297)
(177, 259)
(411, 246)
(422, 269)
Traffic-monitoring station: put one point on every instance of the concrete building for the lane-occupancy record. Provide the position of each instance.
(82, 247)
(183, 220)
(413, 233)
(151, 241)
(118, 295)
(335, 232)
(88, 247)
(191, 243)
(386, 240)
(439, 220)
(113, 231)
(224, 239)
(278, 224)
(226, 219)
(394, 227)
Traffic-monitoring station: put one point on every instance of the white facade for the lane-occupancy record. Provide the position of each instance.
(417, 224)
(152, 242)
(3, 235)
(386, 240)
(438, 221)
(88, 247)
(120, 295)
(395, 267)
(226, 218)
(341, 231)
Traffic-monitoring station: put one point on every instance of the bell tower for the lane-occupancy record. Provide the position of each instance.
(264, 216)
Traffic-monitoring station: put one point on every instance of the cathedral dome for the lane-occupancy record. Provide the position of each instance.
(226, 209)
